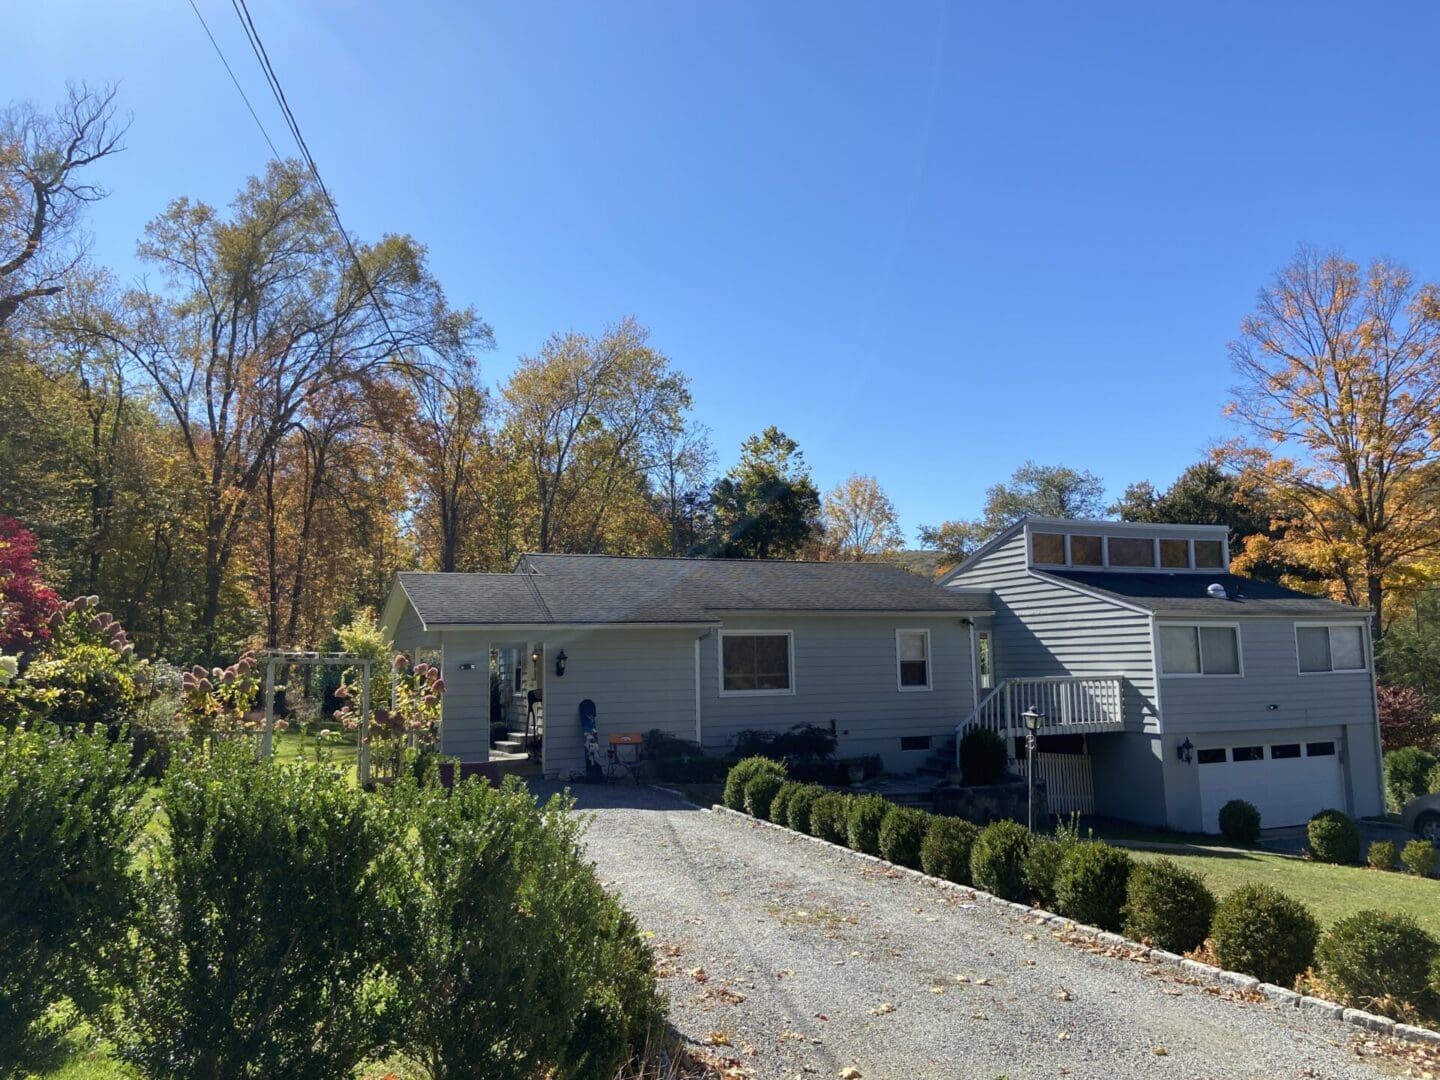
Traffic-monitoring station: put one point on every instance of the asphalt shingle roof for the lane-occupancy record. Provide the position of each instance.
(1185, 594)
(612, 589)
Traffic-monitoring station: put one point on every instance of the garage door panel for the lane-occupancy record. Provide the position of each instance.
(1286, 790)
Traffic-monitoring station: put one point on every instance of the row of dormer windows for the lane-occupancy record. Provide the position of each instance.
(1125, 552)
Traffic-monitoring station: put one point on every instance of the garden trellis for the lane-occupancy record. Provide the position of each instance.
(273, 658)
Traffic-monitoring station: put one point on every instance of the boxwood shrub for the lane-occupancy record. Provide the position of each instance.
(829, 817)
(1418, 857)
(1373, 955)
(1259, 930)
(902, 831)
(982, 757)
(779, 806)
(945, 851)
(997, 860)
(1042, 862)
(743, 772)
(1091, 883)
(862, 826)
(1240, 823)
(1334, 838)
(1382, 855)
(1168, 906)
(800, 805)
(1407, 774)
(760, 792)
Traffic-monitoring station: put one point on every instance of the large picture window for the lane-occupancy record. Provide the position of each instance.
(912, 659)
(755, 662)
(1199, 650)
(1330, 648)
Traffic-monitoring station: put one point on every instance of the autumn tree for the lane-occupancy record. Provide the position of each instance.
(766, 507)
(264, 314)
(45, 184)
(860, 520)
(1339, 385)
(591, 420)
(1054, 491)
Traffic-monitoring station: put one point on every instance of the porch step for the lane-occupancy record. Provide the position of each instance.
(512, 745)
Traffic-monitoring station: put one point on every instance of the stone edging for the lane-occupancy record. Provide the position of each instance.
(1232, 980)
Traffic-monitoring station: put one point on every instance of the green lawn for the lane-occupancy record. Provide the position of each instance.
(1331, 892)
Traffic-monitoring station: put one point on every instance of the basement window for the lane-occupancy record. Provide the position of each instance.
(914, 742)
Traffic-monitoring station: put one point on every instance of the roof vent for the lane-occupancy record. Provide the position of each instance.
(1217, 591)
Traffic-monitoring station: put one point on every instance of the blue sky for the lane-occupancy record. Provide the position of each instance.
(929, 241)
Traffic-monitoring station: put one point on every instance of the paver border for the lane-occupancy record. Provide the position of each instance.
(1231, 980)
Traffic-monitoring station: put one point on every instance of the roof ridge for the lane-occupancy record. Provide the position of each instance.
(707, 559)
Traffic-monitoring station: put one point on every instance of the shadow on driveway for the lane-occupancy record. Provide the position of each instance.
(624, 796)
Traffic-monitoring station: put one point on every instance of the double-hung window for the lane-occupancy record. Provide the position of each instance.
(1199, 650)
(1330, 648)
(756, 662)
(912, 659)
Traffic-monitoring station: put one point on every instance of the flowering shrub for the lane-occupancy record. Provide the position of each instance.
(26, 602)
(221, 700)
(411, 717)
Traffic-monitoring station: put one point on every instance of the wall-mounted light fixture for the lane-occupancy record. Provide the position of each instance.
(535, 656)
(560, 659)
(1185, 751)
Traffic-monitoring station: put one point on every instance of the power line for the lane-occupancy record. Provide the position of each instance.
(243, 96)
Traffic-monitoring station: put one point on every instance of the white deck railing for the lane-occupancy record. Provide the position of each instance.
(1067, 704)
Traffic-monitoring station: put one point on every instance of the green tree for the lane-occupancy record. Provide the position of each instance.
(1054, 491)
(766, 507)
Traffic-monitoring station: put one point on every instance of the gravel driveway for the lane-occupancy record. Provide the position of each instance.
(807, 962)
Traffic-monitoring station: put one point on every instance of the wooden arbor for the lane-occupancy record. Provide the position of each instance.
(273, 658)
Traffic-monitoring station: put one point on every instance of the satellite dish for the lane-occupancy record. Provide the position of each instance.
(1217, 591)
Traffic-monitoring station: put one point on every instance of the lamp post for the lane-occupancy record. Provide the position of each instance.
(1032, 720)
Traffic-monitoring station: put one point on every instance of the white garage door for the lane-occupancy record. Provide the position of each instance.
(1287, 782)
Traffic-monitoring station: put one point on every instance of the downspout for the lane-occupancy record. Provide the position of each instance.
(974, 665)
(698, 736)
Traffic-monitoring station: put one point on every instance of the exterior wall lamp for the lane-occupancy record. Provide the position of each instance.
(1185, 751)
(560, 659)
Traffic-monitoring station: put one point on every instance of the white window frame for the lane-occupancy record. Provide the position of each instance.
(1327, 626)
(929, 663)
(1196, 625)
(788, 635)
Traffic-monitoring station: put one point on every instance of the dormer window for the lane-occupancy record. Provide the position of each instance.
(1175, 554)
(1048, 548)
(1117, 548)
(1209, 555)
(1132, 551)
(1085, 551)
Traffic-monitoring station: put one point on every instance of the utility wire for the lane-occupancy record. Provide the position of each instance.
(243, 96)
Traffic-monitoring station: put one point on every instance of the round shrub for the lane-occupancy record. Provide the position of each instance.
(901, 833)
(1240, 822)
(1418, 857)
(945, 851)
(1382, 854)
(1259, 930)
(982, 757)
(779, 806)
(801, 806)
(1334, 838)
(862, 825)
(829, 817)
(742, 773)
(997, 859)
(1407, 774)
(1373, 955)
(1168, 906)
(1042, 862)
(1090, 885)
(760, 793)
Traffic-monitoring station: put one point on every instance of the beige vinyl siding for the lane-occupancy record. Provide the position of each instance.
(845, 671)
(640, 680)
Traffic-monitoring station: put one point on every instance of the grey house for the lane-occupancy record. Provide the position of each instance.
(701, 649)
(1168, 686)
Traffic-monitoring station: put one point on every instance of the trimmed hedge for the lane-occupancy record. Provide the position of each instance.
(1240, 823)
(1259, 930)
(1042, 862)
(780, 805)
(982, 757)
(829, 816)
(801, 805)
(1374, 955)
(760, 793)
(1382, 855)
(1418, 857)
(862, 825)
(1091, 883)
(1334, 838)
(1168, 906)
(945, 851)
(742, 773)
(901, 834)
(997, 860)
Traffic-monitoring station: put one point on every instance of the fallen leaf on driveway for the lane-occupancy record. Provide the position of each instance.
(850, 1073)
(1062, 994)
(882, 1009)
(699, 975)
(1160, 1051)
(717, 1038)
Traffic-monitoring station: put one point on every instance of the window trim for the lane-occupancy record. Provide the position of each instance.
(1327, 626)
(1068, 534)
(1196, 624)
(929, 662)
(720, 637)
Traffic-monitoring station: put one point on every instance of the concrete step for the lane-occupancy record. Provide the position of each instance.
(510, 746)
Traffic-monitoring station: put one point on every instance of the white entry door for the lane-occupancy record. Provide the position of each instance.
(1287, 782)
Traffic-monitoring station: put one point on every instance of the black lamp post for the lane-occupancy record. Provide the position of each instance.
(1032, 720)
